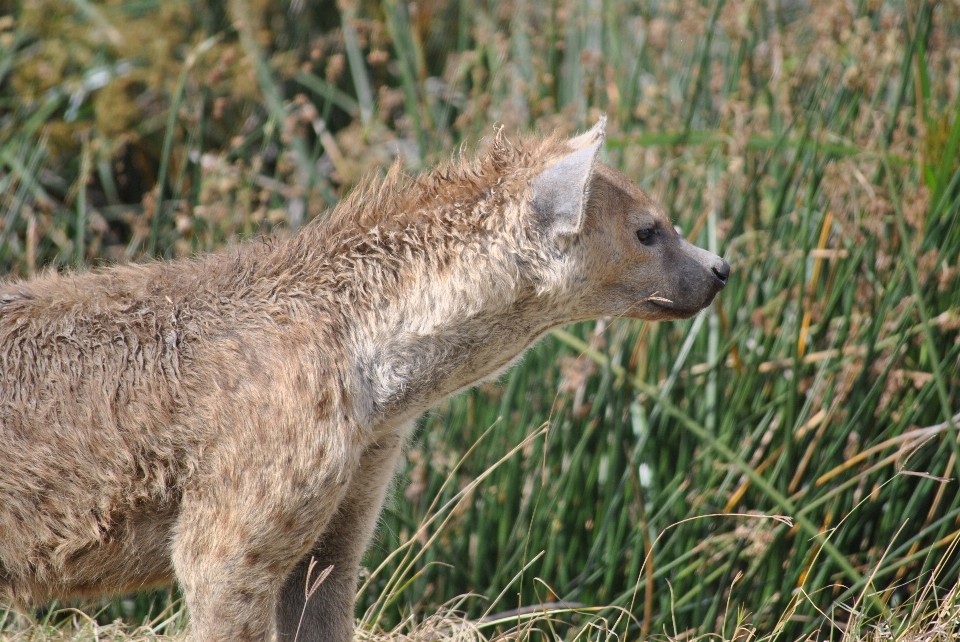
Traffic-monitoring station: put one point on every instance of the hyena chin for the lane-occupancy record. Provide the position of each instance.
(232, 422)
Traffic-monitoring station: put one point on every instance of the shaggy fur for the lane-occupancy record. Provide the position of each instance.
(222, 420)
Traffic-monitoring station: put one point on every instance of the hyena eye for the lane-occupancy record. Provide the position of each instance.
(647, 235)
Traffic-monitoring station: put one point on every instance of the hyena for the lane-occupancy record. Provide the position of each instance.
(221, 421)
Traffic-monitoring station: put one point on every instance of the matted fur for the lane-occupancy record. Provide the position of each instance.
(219, 421)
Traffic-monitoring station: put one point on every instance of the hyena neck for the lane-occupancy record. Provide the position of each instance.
(446, 331)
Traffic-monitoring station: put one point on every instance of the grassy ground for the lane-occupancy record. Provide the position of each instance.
(780, 467)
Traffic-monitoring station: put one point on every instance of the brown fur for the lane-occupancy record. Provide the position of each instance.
(218, 421)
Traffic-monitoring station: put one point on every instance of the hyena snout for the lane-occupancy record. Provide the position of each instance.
(700, 278)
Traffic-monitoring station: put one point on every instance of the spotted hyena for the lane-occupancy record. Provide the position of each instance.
(222, 420)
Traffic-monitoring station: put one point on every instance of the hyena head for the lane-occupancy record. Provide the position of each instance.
(615, 245)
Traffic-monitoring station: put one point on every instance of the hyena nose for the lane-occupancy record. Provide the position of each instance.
(721, 270)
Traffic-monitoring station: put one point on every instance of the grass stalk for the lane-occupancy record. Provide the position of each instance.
(358, 68)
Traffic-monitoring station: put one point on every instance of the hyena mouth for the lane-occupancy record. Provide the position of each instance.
(679, 310)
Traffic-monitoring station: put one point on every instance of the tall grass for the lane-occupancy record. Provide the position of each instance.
(783, 465)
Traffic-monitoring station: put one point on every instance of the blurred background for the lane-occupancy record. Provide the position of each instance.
(785, 463)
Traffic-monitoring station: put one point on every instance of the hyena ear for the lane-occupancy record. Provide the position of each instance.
(560, 191)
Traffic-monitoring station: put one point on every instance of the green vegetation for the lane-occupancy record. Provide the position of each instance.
(783, 466)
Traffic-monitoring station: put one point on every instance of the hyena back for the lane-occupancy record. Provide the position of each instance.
(222, 421)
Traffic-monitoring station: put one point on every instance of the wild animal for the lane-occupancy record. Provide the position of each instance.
(221, 421)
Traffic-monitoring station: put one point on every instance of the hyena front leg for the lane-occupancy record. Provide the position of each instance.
(233, 549)
(328, 616)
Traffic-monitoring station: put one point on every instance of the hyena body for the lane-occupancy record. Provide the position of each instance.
(225, 420)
